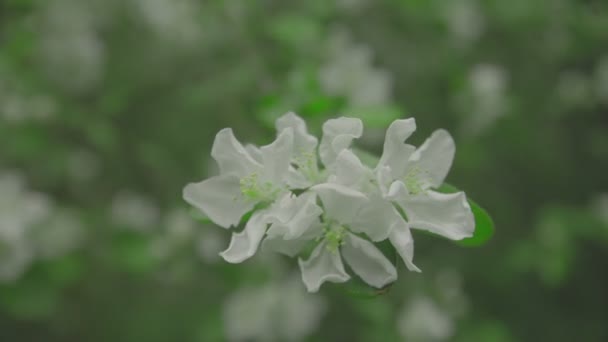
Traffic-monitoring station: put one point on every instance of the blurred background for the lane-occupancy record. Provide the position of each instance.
(109, 107)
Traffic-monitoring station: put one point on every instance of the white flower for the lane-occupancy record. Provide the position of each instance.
(338, 134)
(244, 183)
(410, 174)
(345, 216)
(379, 212)
(304, 195)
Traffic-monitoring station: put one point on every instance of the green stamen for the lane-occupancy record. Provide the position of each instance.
(414, 180)
(252, 189)
(334, 237)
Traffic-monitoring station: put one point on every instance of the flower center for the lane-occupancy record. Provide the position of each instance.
(416, 180)
(257, 191)
(334, 236)
(306, 163)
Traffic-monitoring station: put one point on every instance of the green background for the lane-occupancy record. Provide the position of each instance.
(102, 98)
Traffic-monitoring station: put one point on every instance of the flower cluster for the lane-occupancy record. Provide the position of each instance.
(302, 196)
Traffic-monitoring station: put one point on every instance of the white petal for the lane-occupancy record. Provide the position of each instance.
(368, 262)
(296, 180)
(384, 178)
(303, 141)
(402, 240)
(231, 156)
(396, 152)
(435, 156)
(338, 134)
(219, 198)
(448, 215)
(348, 169)
(243, 245)
(276, 157)
(397, 190)
(376, 219)
(340, 203)
(304, 219)
(292, 247)
(296, 216)
(254, 152)
(322, 266)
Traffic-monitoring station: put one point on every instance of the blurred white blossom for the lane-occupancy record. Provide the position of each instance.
(352, 5)
(349, 72)
(600, 206)
(134, 211)
(449, 283)
(601, 80)
(71, 49)
(422, 320)
(464, 19)
(21, 212)
(486, 97)
(281, 311)
(173, 20)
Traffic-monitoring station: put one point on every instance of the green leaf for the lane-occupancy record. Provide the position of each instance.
(484, 226)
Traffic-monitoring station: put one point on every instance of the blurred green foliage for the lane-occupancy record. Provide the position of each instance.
(99, 98)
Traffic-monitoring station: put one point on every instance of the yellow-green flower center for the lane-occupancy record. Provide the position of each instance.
(257, 191)
(334, 236)
(415, 180)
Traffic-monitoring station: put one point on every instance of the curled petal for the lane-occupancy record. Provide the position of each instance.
(303, 141)
(295, 216)
(276, 157)
(291, 247)
(322, 266)
(341, 203)
(368, 262)
(243, 245)
(296, 180)
(401, 239)
(338, 134)
(396, 152)
(219, 198)
(348, 169)
(254, 152)
(231, 156)
(384, 178)
(448, 215)
(435, 156)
